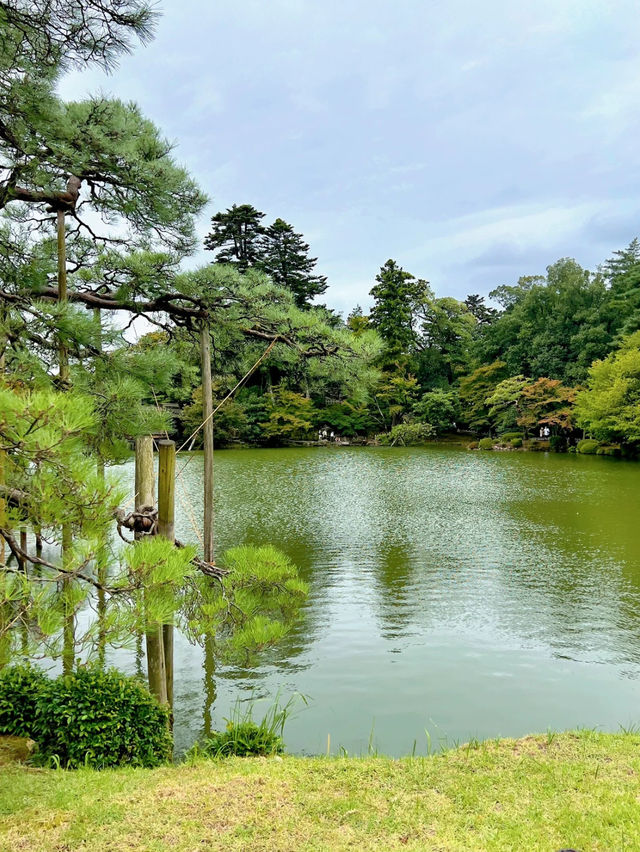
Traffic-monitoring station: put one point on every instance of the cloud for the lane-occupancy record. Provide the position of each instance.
(468, 141)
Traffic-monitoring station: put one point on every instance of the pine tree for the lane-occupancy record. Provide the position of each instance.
(285, 257)
(236, 235)
(397, 297)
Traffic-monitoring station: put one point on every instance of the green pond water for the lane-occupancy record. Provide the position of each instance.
(466, 594)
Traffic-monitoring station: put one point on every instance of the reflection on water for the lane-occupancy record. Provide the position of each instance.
(471, 594)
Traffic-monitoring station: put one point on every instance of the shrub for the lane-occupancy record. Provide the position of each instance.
(473, 445)
(539, 446)
(572, 449)
(511, 436)
(408, 434)
(20, 687)
(588, 446)
(101, 719)
(558, 443)
(485, 444)
(516, 443)
(612, 451)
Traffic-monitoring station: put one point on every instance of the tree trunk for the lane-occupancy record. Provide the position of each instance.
(207, 412)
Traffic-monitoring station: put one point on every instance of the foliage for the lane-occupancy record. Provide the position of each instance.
(609, 407)
(475, 390)
(485, 444)
(397, 297)
(516, 443)
(251, 607)
(290, 416)
(235, 236)
(408, 435)
(551, 326)
(238, 237)
(244, 737)
(588, 446)
(241, 740)
(101, 719)
(346, 418)
(20, 687)
(446, 332)
(284, 256)
(438, 407)
(50, 479)
(395, 395)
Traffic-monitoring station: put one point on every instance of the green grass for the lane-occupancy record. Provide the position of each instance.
(578, 790)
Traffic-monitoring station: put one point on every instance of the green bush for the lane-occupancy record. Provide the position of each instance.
(558, 443)
(407, 435)
(485, 444)
(511, 436)
(588, 446)
(473, 445)
(516, 443)
(20, 687)
(612, 451)
(539, 446)
(90, 717)
(572, 449)
(100, 719)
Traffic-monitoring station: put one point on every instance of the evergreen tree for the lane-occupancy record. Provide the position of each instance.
(476, 306)
(284, 256)
(236, 236)
(397, 298)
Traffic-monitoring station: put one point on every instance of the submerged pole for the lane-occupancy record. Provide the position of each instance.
(207, 417)
(145, 496)
(166, 528)
(68, 630)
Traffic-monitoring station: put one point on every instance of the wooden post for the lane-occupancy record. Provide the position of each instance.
(63, 355)
(207, 412)
(166, 528)
(3, 505)
(68, 631)
(145, 496)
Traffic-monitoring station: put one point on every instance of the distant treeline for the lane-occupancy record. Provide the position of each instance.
(555, 354)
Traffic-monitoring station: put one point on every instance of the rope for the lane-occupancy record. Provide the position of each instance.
(230, 394)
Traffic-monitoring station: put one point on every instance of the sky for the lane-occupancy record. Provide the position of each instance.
(473, 142)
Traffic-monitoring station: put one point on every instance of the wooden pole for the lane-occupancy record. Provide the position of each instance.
(68, 631)
(207, 416)
(63, 355)
(145, 496)
(166, 528)
(3, 505)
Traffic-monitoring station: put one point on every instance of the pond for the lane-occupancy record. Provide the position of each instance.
(453, 594)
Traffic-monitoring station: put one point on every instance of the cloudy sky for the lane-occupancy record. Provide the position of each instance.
(471, 141)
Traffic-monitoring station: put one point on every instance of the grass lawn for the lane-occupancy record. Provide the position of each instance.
(576, 790)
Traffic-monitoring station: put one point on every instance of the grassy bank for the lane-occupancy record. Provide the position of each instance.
(577, 790)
